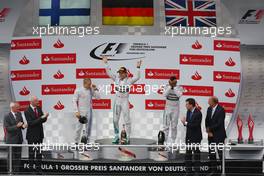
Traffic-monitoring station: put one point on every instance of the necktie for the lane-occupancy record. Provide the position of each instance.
(191, 115)
(15, 116)
(36, 112)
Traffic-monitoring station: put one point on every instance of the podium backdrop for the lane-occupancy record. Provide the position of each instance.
(52, 67)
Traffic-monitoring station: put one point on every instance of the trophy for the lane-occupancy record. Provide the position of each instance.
(251, 125)
(123, 138)
(239, 128)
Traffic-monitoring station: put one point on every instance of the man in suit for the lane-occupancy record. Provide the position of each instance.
(13, 124)
(192, 122)
(35, 118)
(215, 127)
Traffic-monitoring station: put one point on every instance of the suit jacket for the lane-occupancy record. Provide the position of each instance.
(35, 132)
(13, 134)
(193, 131)
(216, 124)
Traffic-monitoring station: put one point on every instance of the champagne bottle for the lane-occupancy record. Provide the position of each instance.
(84, 138)
(161, 139)
(123, 137)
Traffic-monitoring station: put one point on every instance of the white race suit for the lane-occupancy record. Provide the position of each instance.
(82, 102)
(121, 102)
(171, 112)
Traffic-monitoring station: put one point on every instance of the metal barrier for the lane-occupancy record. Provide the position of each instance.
(224, 159)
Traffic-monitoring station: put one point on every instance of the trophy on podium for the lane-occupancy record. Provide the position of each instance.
(123, 136)
(251, 125)
(239, 128)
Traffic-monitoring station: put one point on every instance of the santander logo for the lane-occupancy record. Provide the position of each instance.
(58, 106)
(58, 58)
(58, 89)
(101, 103)
(91, 73)
(58, 44)
(196, 76)
(24, 91)
(150, 104)
(131, 106)
(229, 93)
(3, 13)
(129, 74)
(218, 76)
(154, 104)
(191, 59)
(18, 75)
(46, 90)
(185, 59)
(218, 45)
(34, 43)
(197, 45)
(230, 62)
(226, 76)
(161, 90)
(58, 75)
(24, 60)
(81, 73)
(12, 76)
(229, 107)
(226, 45)
(198, 106)
(150, 74)
(161, 73)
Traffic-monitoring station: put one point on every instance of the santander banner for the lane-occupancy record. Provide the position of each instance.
(53, 67)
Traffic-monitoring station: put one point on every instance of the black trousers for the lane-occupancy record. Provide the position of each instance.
(192, 152)
(35, 155)
(16, 158)
(213, 148)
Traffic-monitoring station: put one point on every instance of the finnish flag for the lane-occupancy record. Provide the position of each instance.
(64, 12)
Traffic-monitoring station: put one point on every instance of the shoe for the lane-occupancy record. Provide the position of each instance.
(115, 140)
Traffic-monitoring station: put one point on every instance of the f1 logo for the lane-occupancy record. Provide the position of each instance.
(253, 16)
(112, 49)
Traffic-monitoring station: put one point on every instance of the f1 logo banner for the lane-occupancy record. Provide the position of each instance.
(253, 16)
(56, 66)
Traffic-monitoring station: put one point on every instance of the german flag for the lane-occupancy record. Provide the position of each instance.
(128, 12)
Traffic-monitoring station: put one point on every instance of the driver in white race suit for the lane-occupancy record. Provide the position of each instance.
(172, 93)
(122, 85)
(82, 105)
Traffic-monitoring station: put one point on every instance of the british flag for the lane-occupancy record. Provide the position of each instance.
(194, 13)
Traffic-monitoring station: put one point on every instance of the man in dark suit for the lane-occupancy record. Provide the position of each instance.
(192, 122)
(13, 124)
(215, 127)
(35, 117)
